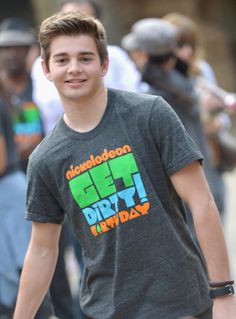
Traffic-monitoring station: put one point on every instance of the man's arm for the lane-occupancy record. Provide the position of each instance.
(38, 269)
(191, 185)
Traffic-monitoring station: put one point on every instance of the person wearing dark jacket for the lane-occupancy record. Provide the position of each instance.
(166, 76)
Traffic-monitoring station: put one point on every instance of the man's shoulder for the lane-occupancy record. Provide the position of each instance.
(46, 150)
(138, 103)
(130, 99)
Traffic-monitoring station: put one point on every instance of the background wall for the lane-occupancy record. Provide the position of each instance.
(22, 8)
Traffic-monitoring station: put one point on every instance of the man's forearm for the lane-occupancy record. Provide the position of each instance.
(211, 239)
(212, 242)
(36, 276)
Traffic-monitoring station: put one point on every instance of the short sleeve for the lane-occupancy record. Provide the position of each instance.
(41, 202)
(176, 147)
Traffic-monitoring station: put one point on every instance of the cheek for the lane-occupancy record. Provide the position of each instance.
(94, 72)
(55, 74)
(185, 53)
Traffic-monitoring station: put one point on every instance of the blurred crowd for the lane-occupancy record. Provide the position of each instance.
(160, 56)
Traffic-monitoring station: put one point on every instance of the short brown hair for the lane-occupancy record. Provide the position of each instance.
(71, 23)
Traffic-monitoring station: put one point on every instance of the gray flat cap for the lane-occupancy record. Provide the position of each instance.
(15, 32)
(154, 35)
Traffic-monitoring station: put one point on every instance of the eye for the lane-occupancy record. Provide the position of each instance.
(61, 60)
(86, 59)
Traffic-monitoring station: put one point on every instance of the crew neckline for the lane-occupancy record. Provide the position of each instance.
(98, 128)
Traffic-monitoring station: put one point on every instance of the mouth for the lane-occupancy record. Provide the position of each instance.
(75, 81)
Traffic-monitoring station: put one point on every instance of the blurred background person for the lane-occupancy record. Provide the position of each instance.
(14, 230)
(214, 102)
(152, 43)
(190, 61)
(16, 85)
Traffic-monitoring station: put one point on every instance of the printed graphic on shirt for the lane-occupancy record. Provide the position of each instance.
(109, 190)
(26, 122)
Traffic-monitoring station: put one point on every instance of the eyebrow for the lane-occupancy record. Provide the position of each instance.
(62, 54)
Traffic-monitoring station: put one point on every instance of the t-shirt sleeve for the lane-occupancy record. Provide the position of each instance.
(176, 147)
(41, 202)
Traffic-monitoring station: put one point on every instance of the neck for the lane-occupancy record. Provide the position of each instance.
(85, 114)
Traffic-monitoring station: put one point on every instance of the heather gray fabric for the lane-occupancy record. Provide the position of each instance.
(206, 315)
(113, 184)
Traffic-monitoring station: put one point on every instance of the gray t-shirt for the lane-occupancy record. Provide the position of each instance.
(113, 184)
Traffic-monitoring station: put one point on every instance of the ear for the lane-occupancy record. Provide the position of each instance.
(46, 71)
(104, 66)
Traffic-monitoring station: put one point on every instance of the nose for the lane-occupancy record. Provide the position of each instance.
(74, 67)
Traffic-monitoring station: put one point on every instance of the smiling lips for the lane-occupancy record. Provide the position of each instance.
(75, 81)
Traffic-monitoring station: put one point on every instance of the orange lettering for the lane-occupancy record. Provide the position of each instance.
(133, 214)
(124, 216)
(119, 151)
(143, 209)
(94, 231)
(126, 149)
(104, 227)
(112, 221)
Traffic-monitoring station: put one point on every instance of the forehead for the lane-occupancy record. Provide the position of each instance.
(70, 44)
(74, 6)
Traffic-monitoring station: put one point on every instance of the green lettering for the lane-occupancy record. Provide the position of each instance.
(124, 167)
(83, 190)
(102, 178)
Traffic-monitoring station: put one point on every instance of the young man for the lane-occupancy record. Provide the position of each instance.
(118, 164)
